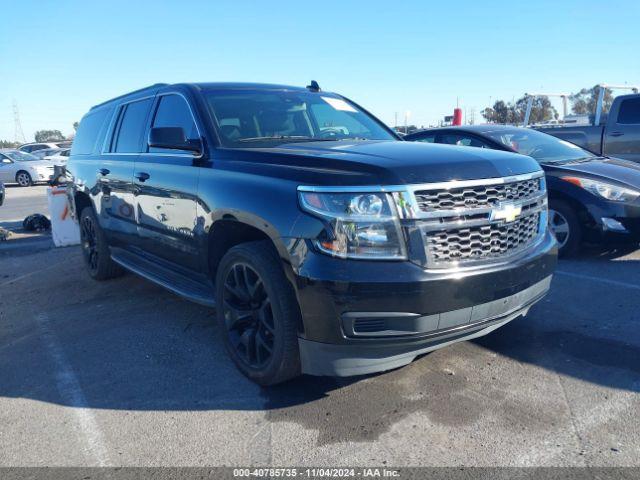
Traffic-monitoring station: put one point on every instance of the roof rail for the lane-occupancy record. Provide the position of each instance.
(155, 85)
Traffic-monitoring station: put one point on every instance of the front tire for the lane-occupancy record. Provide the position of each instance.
(258, 313)
(565, 225)
(24, 179)
(95, 248)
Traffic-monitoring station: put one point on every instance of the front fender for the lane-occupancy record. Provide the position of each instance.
(265, 203)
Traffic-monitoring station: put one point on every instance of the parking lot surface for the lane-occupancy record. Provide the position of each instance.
(23, 201)
(125, 373)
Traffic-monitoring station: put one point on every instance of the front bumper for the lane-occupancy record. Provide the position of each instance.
(421, 309)
(612, 221)
(346, 360)
(42, 175)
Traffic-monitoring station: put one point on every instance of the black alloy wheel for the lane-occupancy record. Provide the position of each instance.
(248, 316)
(95, 248)
(89, 240)
(258, 313)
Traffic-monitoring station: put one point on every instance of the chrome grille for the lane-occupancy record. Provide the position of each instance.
(475, 196)
(488, 220)
(482, 241)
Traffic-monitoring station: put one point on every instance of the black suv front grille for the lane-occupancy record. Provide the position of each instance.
(485, 221)
(476, 196)
(482, 242)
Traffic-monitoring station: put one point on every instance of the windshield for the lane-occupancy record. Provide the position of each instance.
(46, 152)
(258, 118)
(18, 156)
(544, 148)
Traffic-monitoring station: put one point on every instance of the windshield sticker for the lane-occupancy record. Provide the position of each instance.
(339, 104)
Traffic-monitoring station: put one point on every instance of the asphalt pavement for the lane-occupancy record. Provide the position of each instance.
(23, 201)
(123, 373)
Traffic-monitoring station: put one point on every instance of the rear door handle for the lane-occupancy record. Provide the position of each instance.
(142, 176)
(104, 171)
(616, 134)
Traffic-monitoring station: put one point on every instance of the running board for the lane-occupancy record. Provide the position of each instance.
(176, 282)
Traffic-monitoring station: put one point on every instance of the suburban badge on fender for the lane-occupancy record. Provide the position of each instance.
(507, 212)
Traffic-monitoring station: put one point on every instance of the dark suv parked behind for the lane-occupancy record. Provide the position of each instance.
(327, 246)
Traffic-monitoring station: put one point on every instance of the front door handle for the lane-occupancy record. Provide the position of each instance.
(142, 176)
(616, 134)
(104, 172)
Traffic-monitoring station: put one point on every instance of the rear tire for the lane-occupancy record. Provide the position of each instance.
(95, 248)
(258, 313)
(564, 223)
(24, 179)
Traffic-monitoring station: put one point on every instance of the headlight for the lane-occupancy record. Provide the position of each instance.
(361, 225)
(604, 190)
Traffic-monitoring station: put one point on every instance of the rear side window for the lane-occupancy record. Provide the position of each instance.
(629, 111)
(173, 111)
(131, 125)
(87, 134)
(426, 139)
(462, 141)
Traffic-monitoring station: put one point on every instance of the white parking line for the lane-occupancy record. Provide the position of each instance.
(71, 392)
(615, 283)
(30, 274)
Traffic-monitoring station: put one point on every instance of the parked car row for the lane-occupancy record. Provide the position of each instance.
(58, 156)
(591, 197)
(35, 146)
(328, 244)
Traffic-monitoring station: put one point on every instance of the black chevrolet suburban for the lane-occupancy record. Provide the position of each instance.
(327, 245)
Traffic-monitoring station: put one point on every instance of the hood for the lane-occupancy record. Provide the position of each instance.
(621, 171)
(376, 162)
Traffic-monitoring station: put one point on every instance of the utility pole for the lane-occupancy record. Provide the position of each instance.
(18, 134)
(395, 123)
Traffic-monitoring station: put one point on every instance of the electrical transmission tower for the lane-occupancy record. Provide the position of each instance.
(18, 134)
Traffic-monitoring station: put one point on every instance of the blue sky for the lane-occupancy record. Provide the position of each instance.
(59, 58)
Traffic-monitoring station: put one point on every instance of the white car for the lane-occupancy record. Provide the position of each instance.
(23, 168)
(58, 157)
(35, 146)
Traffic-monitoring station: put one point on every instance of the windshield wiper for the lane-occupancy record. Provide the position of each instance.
(297, 138)
(573, 160)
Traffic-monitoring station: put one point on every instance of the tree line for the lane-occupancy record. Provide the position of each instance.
(42, 136)
(583, 102)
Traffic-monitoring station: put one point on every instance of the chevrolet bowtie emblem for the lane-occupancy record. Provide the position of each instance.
(507, 212)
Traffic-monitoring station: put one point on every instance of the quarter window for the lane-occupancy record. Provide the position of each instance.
(462, 141)
(173, 111)
(426, 139)
(132, 124)
(629, 111)
(87, 134)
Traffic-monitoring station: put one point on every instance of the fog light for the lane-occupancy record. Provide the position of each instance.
(613, 225)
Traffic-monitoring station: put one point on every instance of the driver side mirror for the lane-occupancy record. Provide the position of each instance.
(173, 138)
(6, 160)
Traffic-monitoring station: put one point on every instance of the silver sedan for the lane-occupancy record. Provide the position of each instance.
(23, 168)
